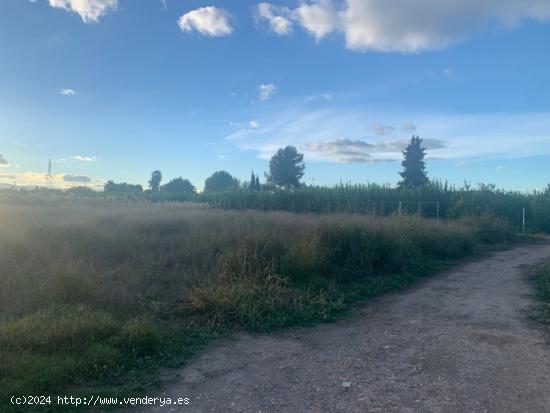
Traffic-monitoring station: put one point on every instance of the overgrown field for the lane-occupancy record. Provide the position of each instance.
(94, 298)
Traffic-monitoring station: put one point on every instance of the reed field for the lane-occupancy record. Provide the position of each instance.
(99, 295)
(430, 201)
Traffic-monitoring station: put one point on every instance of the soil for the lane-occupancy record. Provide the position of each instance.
(461, 341)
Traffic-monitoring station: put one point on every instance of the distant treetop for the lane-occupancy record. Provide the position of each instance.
(286, 168)
(220, 181)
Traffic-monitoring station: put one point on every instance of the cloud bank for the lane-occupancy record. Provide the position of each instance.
(40, 179)
(404, 26)
(358, 151)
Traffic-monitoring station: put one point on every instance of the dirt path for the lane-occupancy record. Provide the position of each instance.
(459, 342)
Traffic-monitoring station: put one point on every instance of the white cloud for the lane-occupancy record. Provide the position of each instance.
(411, 26)
(254, 124)
(429, 24)
(83, 158)
(209, 21)
(318, 18)
(68, 92)
(3, 161)
(277, 18)
(266, 92)
(90, 11)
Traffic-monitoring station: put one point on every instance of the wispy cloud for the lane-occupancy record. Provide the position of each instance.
(83, 158)
(409, 126)
(381, 130)
(90, 11)
(466, 136)
(359, 151)
(208, 21)
(254, 124)
(278, 19)
(68, 92)
(3, 161)
(266, 92)
(328, 97)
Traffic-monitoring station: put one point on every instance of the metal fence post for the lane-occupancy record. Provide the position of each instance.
(523, 221)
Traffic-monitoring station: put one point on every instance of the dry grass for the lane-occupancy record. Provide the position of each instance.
(89, 293)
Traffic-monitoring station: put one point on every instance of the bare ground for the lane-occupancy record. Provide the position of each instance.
(458, 342)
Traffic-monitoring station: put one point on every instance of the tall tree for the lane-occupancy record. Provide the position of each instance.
(252, 184)
(257, 184)
(414, 166)
(286, 168)
(220, 181)
(154, 182)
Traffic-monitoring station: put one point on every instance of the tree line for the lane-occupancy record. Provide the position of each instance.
(286, 170)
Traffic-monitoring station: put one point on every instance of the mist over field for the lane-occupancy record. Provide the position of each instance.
(274, 206)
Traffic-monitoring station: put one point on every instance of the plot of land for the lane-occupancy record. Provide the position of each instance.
(459, 342)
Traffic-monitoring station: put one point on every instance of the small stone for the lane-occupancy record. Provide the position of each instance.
(346, 384)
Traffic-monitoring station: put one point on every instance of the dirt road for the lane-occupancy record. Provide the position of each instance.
(459, 342)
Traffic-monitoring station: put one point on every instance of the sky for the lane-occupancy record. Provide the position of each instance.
(113, 89)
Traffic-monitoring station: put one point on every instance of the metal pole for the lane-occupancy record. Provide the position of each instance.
(419, 209)
(523, 221)
(437, 212)
(399, 207)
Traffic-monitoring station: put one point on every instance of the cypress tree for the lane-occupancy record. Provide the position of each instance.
(414, 166)
(252, 184)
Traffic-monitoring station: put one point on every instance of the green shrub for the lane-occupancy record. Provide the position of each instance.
(57, 330)
(541, 282)
(139, 336)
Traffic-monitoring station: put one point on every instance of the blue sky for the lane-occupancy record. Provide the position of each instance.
(112, 89)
